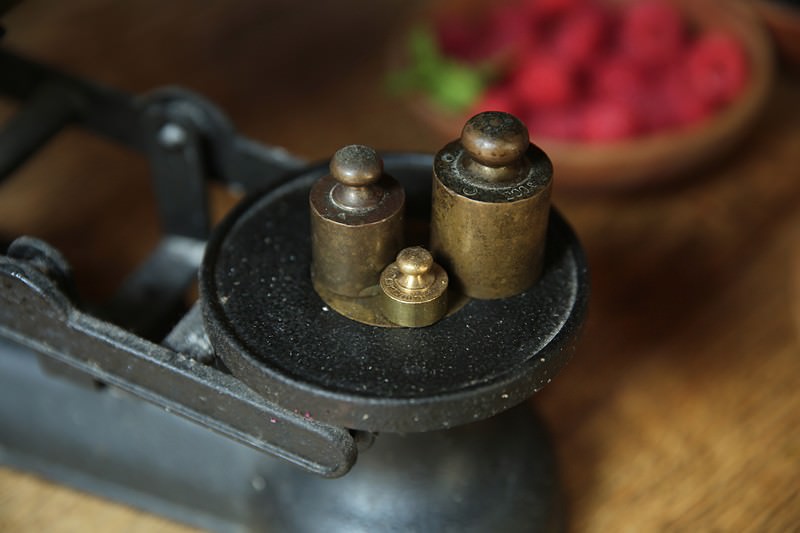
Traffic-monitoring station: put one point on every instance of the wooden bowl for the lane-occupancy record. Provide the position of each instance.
(660, 156)
(783, 20)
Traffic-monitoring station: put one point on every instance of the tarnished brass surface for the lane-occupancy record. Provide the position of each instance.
(491, 202)
(414, 289)
(356, 223)
(368, 309)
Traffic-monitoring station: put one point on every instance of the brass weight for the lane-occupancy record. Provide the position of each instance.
(491, 202)
(414, 289)
(356, 222)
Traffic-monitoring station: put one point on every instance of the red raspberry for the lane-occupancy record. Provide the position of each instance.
(459, 37)
(498, 98)
(542, 81)
(689, 111)
(653, 32)
(546, 9)
(616, 78)
(559, 123)
(654, 112)
(580, 35)
(718, 68)
(608, 120)
(507, 30)
(683, 103)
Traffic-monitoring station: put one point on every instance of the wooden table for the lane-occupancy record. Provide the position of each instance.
(681, 408)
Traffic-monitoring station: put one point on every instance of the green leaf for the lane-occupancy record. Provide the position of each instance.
(457, 87)
(450, 84)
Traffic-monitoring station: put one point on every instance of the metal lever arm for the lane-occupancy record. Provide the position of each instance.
(188, 142)
(35, 312)
(125, 119)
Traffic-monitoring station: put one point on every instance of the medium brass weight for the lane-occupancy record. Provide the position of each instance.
(356, 223)
(490, 206)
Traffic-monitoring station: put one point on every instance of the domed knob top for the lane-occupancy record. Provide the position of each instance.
(495, 139)
(356, 165)
(414, 261)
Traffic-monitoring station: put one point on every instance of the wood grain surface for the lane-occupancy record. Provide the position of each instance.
(681, 408)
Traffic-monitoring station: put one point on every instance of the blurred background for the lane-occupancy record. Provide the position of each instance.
(681, 408)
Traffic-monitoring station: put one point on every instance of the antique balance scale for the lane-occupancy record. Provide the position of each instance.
(357, 309)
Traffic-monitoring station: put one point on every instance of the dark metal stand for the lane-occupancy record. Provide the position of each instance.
(266, 369)
(495, 475)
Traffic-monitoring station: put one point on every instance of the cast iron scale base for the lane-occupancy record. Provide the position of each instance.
(268, 367)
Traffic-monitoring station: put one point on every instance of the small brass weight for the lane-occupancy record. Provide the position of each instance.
(490, 206)
(414, 289)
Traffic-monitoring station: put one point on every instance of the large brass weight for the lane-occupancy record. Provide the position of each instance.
(491, 201)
